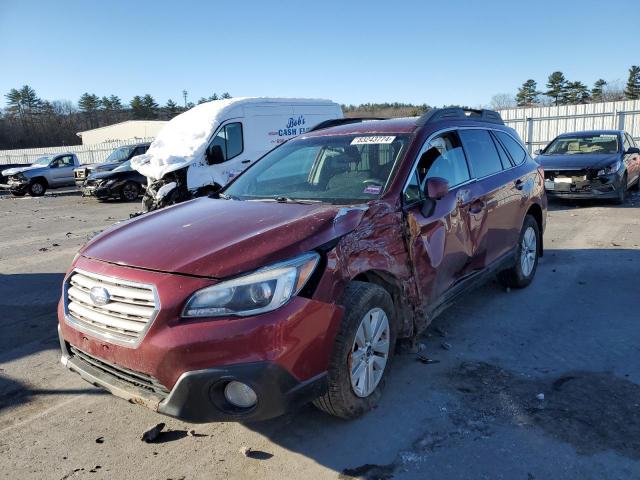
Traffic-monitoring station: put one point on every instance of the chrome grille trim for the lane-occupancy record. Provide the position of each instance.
(124, 320)
(138, 379)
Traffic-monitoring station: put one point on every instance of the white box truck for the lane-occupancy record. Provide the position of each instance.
(200, 150)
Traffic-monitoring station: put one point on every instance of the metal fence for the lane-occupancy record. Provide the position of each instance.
(86, 153)
(537, 126)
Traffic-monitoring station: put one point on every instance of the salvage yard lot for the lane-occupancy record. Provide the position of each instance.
(572, 336)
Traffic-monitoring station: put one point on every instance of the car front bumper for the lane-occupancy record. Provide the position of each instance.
(180, 367)
(603, 187)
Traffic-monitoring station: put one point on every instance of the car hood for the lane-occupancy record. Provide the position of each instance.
(221, 238)
(576, 162)
(13, 171)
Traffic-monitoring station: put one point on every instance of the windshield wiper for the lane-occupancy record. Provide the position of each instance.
(223, 196)
(296, 200)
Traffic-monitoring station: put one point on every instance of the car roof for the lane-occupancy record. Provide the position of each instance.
(392, 125)
(592, 132)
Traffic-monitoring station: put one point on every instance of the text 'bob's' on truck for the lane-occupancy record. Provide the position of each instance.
(200, 150)
(294, 282)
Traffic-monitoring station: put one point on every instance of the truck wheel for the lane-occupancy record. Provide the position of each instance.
(361, 352)
(37, 188)
(526, 261)
(129, 192)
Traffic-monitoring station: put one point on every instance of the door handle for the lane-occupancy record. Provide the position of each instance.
(519, 184)
(245, 161)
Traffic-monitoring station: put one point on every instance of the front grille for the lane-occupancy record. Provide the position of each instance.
(80, 173)
(551, 174)
(130, 309)
(139, 379)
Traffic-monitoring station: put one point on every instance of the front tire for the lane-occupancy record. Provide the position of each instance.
(361, 352)
(622, 191)
(18, 193)
(37, 188)
(129, 192)
(527, 254)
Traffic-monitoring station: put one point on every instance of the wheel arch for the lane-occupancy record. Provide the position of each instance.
(40, 179)
(535, 211)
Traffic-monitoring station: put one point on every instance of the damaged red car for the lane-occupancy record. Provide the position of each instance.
(295, 283)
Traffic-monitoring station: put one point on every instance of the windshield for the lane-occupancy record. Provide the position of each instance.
(342, 169)
(124, 167)
(119, 154)
(580, 144)
(42, 161)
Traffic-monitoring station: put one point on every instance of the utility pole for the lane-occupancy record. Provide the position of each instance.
(184, 95)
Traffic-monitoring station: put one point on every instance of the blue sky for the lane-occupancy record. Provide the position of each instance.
(349, 51)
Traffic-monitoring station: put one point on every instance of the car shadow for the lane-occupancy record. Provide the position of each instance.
(555, 204)
(496, 350)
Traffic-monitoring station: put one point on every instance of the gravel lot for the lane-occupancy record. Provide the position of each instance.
(572, 336)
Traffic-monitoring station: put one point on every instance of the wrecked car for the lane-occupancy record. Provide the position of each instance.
(49, 171)
(601, 164)
(200, 150)
(295, 282)
(116, 158)
(123, 183)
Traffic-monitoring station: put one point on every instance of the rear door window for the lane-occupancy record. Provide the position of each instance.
(516, 152)
(443, 157)
(481, 152)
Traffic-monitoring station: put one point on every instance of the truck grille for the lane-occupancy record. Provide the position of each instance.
(80, 173)
(138, 379)
(123, 318)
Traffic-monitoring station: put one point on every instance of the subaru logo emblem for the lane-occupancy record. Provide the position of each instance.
(99, 296)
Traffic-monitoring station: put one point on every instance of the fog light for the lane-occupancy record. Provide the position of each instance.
(240, 394)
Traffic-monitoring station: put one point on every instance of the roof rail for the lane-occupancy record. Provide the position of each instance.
(341, 121)
(440, 114)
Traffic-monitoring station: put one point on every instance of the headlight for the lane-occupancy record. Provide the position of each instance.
(613, 168)
(261, 291)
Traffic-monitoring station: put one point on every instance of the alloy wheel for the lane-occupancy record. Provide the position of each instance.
(370, 352)
(528, 251)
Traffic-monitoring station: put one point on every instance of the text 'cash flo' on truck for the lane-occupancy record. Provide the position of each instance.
(295, 281)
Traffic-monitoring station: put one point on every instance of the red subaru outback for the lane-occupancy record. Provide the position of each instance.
(295, 283)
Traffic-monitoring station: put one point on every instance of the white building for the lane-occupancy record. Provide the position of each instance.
(131, 130)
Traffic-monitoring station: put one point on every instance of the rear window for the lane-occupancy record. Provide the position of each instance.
(516, 152)
(481, 152)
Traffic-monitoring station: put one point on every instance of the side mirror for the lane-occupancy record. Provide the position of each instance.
(538, 152)
(436, 188)
(214, 155)
(632, 150)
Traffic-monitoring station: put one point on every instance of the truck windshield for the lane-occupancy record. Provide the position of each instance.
(42, 161)
(342, 169)
(123, 167)
(577, 144)
(119, 154)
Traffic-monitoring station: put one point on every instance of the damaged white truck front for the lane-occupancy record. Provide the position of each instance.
(202, 149)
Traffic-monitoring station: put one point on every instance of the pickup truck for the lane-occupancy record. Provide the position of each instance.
(50, 171)
(115, 159)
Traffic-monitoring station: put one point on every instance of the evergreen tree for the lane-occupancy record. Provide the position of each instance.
(527, 94)
(632, 90)
(557, 87)
(14, 102)
(598, 90)
(89, 103)
(202, 100)
(172, 107)
(225, 96)
(137, 107)
(214, 97)
(576, 92)
(116, 103)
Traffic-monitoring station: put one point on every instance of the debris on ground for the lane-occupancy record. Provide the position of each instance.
(445, 346)
(43, 249)
(614, 244)
(152, 434)
(255, 454)
(100, 440)
(426, 360)
(55, 245)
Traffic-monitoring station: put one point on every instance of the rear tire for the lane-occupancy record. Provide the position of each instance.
(37, 188)
(527, 253)
(358, 365)
(129, 192)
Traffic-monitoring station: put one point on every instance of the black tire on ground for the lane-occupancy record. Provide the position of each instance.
(516, 277)
(37, 188)
(18, 193)
(129, 192)
(622, 191)
(340, 399)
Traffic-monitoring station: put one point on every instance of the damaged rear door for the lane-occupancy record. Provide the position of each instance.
(438, 238)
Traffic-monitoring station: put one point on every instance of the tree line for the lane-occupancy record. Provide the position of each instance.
(29, 121)
(561, 91)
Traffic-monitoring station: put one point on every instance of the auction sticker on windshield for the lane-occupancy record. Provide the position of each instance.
(373, 140)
